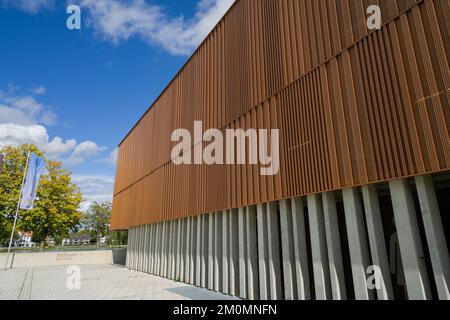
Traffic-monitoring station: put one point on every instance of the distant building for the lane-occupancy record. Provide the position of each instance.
(24, 240)
(50, 242)
(76, 239)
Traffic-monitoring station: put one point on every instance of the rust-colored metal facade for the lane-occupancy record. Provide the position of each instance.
(353, 106)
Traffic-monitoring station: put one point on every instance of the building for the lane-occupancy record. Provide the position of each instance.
(360, 206)
(76, 239)
(25, 240)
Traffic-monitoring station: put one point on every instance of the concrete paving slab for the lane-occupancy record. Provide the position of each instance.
(97, 282)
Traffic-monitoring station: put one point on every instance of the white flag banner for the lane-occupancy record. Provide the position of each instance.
(36, 166)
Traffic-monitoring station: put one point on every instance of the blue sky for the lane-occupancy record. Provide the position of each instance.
(76, 93)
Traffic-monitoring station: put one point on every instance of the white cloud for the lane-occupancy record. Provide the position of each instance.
(117, 21)
(16, 134)
(39, 90)
(112, 158)
(94, 188)
(19, 109)
(29, 6)
(83, 151)
(24, 120)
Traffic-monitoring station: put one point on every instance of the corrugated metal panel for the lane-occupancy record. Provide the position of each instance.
(353, 107)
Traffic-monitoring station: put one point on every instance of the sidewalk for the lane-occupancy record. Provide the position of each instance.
(98, 282)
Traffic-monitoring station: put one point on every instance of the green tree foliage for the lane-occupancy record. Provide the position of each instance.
(97, 219)
(56, 209)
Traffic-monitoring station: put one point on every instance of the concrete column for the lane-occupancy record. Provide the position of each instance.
(300, 250)
(287, 248)
(204, 254)
(435, 235)
(166, 249)
(193, 250)
(163, 249)
(218, 245)
(130, 238)
(187, 248)
(225, 251)
(146, 248)
(146, 243)
(198, 252)
(377, 241)
(182, 250)
(234, 253)
(175, 234)
(252, 253)
(273, 238)
(179, 235)
(242, 254)
(321, 267)
(210, 254)
(152, 248)
(358, 247)
(158, 249)
(263, 251)
(140, 248)
(149, 250)
(173, 243)
(337, 278)
(411, 250)
(136, 247)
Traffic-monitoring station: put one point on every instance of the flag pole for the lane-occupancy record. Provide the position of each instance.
(17, 210)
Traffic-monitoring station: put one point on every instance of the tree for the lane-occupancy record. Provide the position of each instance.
(97, 219)
(56, 208)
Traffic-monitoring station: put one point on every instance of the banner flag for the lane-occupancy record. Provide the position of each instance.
(36, 166)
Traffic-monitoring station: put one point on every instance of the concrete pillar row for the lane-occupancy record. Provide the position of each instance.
(261, 251)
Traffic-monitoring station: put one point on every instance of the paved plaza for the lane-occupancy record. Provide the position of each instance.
(98, 282)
